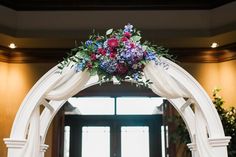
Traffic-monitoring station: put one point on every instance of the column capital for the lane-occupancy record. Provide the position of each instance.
(14, 143)
(192, 146)
(43, 148)
(219, 142)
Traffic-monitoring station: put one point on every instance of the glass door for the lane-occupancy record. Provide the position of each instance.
(114, 136)
(135, 141)
(95, 141)
(113, 127)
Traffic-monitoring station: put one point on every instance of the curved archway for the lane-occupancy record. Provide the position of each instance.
(169, 80)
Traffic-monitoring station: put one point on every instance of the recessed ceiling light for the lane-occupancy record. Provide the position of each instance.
(12, 46)
(214, 45)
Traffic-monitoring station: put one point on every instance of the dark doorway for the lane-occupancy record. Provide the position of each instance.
(121, 131)
(117, 123)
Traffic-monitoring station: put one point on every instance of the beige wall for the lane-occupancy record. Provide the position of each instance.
(205, 73)
(17, 79)
(5, 116)
(216, 75)
(228, 82)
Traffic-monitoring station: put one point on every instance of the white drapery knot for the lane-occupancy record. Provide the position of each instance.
(68, 84)
(163, 84)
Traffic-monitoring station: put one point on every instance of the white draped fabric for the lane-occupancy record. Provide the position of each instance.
(32, 146)
(163, 84)
(201, 136)
(68, 84)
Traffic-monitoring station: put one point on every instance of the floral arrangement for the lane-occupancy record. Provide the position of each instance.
(119, 54)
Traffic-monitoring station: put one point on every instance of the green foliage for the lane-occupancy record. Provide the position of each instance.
(228, 118)
(181, 134)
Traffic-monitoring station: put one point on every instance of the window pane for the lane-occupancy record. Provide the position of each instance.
(139, 105)
(67, 141)
(164, 140)
(93, 105)
(96, 141)
(135, 141)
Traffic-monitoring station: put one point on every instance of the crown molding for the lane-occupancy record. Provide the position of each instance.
(206, 55)
(42, 55)
(170, 28)
(32, 55)
(40, 5)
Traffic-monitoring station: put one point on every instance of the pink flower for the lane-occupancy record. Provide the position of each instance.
(89, 65)
(127, 34)
(113, 42)
(102, 51)
(93, 57)
(112, 55)
(121, 69)
(123, 39)
(132, 45)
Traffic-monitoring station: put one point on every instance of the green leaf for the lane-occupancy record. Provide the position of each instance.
(136, 38)
(143, 62)
(93, 72)
(145, 47)
(96, 64)
(109, 31)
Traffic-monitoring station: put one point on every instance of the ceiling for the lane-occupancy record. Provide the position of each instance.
(41, 29)
(111, 4)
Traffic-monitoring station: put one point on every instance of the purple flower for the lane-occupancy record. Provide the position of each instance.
(132, 52)
(126, 55)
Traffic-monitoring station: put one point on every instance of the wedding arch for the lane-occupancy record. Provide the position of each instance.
(174, 83)
(121, 55)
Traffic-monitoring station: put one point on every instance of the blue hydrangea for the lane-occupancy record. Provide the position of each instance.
(136, 76)
(79, 67)
(99, 45)
(132, 53)
(120, 59)
(128, 28)
(108, 66)
(150, 56)
(88, 43)
(126, 55)
(105, 45)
